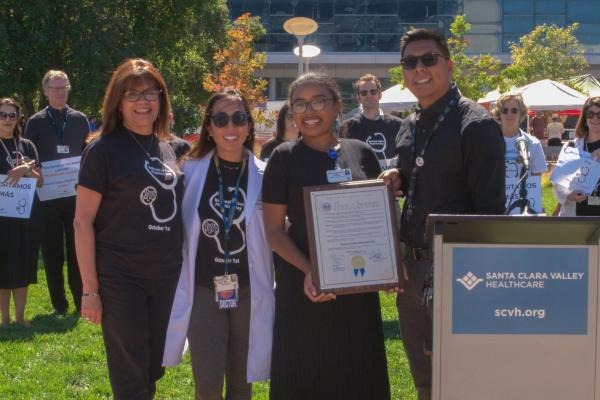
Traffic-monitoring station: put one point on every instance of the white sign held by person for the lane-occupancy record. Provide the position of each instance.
(576, 170)
(534, 193)
(16, 198)
(60, 178)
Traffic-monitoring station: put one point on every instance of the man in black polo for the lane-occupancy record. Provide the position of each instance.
(59, 133)
(450, 161)
(372, 126)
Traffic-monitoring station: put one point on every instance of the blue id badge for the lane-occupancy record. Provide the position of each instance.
(339, 175)
(226, 291)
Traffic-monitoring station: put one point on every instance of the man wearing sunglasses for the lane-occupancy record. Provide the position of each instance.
(58, 132)
(372, 126)
(450, 161)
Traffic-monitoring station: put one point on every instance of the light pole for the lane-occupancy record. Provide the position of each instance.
(308, 51)
(300, 27)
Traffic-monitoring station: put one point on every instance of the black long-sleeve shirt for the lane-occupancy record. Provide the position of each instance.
(463, 170)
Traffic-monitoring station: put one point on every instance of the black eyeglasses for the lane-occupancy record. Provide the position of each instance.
(512, 110)
(135, 95)
(589, 114)
(364, 93)
(221, 119)
(318, 104)
(9, 116)
(428, 60)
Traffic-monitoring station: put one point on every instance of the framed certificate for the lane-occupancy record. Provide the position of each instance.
(353, 238)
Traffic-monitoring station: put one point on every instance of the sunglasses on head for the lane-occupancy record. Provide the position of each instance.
(428, 60)
(9, 116)
(364, 93)
(589, 114)
(513, 110)
(221, 119)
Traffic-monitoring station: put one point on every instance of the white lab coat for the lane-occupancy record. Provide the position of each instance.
(262, 302)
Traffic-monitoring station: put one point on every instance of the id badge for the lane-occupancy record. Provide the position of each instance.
(62, 149)
(339, 175)
(226, 291)
(593, 200)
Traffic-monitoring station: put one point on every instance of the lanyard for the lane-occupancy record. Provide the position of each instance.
(12, 163)
(418, 160)
(60, 130)
(228, 216)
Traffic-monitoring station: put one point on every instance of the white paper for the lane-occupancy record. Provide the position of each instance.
(576, 170)
(534, 193)
(60, 178)
(16, 199)
(354, 238)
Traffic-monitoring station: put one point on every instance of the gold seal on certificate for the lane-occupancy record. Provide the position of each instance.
(352, 236)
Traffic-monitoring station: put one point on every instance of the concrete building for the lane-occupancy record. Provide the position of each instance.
(362, 36)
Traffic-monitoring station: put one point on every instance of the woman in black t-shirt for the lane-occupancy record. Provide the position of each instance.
(128, 227)
(224, 302)
(323, 347)
(19, 237)
(587, 140)
(286, 131)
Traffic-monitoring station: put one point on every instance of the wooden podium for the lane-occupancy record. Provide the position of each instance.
(515, 307)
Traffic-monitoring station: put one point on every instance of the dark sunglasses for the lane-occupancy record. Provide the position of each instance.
(589, 114)
(221, 119)
(513, 110)
(9, 116)
(428, 60)
(364, 93)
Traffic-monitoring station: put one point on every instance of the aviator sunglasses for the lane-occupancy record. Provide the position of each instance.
(9, 116)
(221, 119)
(364, 93)
(428, 60)
(512, 110)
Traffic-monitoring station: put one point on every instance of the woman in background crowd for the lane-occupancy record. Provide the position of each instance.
(510, 111)
(128, 228)
(587, 139)
(19, 238)
(286, 131)
(323, 347)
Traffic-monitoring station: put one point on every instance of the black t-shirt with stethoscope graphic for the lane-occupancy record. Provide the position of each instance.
(19, 150)
(210, 257)
(138, 225)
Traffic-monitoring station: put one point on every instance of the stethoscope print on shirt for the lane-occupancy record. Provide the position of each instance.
(166, 178)
(211, 228)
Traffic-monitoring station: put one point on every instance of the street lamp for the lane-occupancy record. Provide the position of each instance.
(308, 51)
(300, 27)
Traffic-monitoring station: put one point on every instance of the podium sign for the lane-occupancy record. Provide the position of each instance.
(515, 307)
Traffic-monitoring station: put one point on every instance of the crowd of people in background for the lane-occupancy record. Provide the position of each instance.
(167, 242)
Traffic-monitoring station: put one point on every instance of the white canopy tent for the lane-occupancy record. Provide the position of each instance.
(397, 99)
(544, 95)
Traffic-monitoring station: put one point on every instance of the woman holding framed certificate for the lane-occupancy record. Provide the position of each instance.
(324, 347)
(19, 237)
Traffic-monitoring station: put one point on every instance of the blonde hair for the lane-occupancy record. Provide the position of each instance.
(54, 73)
(504, 99)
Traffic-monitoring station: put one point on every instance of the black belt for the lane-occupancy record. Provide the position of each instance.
(416, 253)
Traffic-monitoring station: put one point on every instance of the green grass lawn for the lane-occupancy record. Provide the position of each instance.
(64, 358)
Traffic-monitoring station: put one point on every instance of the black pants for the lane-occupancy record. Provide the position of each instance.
(135, 317)
(58, 217)
(416, 327)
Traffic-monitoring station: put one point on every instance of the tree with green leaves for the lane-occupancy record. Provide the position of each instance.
(475, 75)
(89, 38)
(547, 52)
